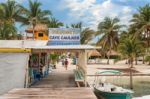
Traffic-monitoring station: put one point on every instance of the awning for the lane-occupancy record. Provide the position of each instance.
(42, 44)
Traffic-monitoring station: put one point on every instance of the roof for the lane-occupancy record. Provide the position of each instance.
(94, 53)
(40, 44)
(88, 47)
(22, 43)
(38, 27)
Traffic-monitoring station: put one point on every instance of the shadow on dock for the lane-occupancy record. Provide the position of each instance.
(57, 79)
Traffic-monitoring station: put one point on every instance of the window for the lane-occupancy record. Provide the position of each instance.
(40, 35)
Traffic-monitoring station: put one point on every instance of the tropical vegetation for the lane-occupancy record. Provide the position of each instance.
(77, 25)
(140, 23)
(7, 30)
(129, 47)
(109, 29)
(54, 23)
(54, 57)
(147, 59)
(10, 11)
(130, 44)
(87, 35)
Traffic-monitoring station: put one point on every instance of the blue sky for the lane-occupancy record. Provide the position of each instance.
(90, 12)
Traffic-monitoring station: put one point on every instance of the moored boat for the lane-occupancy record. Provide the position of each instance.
(105, 90)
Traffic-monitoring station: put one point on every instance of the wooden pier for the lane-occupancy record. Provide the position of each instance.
(59, 84)
(58, 78)
(50, 93)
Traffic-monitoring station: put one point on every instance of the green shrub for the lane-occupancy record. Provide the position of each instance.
(147, 59)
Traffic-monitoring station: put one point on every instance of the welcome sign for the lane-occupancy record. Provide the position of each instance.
(64, 36)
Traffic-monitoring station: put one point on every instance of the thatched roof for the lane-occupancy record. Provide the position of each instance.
(94, 53)
(38, 27)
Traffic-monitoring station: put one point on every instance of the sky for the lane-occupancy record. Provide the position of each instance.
(89, 12)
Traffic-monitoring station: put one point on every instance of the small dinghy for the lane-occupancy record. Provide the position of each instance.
(107, 90)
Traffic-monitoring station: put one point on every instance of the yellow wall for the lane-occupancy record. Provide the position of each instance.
(37, 37)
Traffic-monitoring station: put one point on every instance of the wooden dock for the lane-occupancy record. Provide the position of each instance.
(59, 84)
(50, 93)
(57, 79)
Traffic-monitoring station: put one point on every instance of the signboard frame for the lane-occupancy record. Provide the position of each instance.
(64, 36)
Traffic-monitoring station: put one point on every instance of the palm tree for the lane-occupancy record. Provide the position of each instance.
(147, 58)
(7, 30)
(54, 23)
(34, 14)
(78, 25)
(129, 47)
(10, 12)
(139, 52)
(109, 29)
(140, 23)
(87, 35)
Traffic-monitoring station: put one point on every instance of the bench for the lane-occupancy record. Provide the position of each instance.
(79, 76)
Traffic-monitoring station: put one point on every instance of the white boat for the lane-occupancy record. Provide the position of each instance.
(108, 90)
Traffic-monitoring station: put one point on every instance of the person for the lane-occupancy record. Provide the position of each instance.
(66, 63)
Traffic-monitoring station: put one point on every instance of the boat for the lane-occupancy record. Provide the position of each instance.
(105, 90)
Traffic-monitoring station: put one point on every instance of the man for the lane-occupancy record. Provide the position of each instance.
(66, 63)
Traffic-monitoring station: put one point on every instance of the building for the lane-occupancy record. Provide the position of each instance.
(40, 32)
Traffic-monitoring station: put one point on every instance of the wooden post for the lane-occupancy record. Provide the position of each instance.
(27, 73)
(39, 60)
(85, 66)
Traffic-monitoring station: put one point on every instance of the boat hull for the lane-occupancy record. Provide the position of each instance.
(108, 95)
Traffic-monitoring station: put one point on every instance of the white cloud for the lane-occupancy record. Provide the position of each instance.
(91, 12)
(126, 9)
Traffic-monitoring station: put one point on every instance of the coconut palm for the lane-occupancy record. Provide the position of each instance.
(7, 30)
(78, 25)
(87, 35)
(54, 23)
(34, 14)
(140, 23)
(10, 12)
(139, 52)
(109, 29)
(128, 48)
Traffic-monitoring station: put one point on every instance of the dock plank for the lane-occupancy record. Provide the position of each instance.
(50, 93)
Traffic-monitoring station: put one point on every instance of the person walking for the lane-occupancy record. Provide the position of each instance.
(66, 63)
